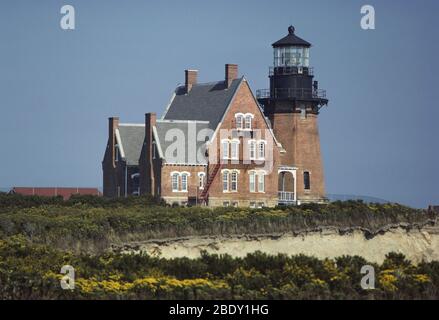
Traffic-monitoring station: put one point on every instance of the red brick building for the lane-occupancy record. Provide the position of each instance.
(219, 145)
(66, 193)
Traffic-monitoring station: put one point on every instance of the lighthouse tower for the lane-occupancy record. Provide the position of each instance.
(292, 104)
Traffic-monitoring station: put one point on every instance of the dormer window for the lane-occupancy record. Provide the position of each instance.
(116, 153)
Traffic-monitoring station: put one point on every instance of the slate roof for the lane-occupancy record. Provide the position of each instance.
(132, 136)
(204, 102)
(291, 40)
(192, 131)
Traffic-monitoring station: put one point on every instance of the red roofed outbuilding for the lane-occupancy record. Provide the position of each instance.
(66, 193)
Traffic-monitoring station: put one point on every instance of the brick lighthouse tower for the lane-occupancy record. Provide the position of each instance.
(292, 105)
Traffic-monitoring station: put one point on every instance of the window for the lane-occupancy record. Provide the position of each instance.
(175, 176)
(252, 204)
(225, 181)
(252, 181)
(261, 150)
(225, 149)
(261, 182)
(226, 204)
(239, 121)
(201, 176)
(116, 153)
(252, 145)
(306, 180)
(261, 205)
(184, 181)
(248, 121)
(234, 154)
(235, 204)
(234, 184)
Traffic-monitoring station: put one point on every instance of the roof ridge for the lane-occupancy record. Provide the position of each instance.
(180, 121)
(131, 124)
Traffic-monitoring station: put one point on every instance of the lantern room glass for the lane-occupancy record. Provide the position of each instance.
(291, 56)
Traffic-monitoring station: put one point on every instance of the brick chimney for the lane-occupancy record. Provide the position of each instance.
(231, 73)
(190, 79)
(147, 181)
(113, 124)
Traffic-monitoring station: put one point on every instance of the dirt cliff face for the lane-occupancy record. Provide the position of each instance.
(416, 243)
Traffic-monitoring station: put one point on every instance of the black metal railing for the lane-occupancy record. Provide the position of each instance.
(286, 70)
(291, 93)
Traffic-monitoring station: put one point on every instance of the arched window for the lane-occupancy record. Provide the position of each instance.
(261, 150)
(201, 176)
(252, 147)
(248, 121)
(306, 180)
(234, 153)
(261, 182)
(174, 178)
(252, 180)
(225, 149)
(234, 179)
(225, 181)
(239, 119)
(184, 178)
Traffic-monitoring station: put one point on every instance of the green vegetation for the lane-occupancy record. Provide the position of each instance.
(39, 235)
(29, 271)
(93, 223)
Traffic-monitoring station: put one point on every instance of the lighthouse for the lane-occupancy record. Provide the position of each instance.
(292, 104)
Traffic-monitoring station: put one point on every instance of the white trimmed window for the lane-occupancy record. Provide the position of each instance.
(252, 180)
(252, 151)
(248, 121)
(261, 182)
(234, 180)
(225, 181)
(201, 176)
(184, 178)
(239, 119)
(234, 152)
(225, 148)
(261, 150)
(174, 178)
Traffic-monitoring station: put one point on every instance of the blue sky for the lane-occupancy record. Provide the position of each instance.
(379, 134)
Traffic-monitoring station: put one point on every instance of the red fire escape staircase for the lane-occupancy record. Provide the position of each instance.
(205, 193)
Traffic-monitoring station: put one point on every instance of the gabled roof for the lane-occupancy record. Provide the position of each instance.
(291, 40)
(204, 102)
(130, 140)
(191, 131)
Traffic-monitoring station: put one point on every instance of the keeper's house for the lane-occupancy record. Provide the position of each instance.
(217, 144)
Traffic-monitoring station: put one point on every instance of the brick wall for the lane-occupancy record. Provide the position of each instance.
(244, 103)
(300, 138)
